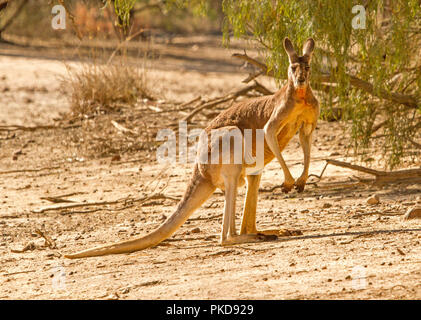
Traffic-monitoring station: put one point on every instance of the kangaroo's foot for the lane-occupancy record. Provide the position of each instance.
(287, 186)
(247, 238)
(300, 184)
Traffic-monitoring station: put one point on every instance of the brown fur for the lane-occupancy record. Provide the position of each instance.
(293, 108)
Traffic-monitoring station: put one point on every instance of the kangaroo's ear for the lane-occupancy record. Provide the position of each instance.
(308, 47)
(289, 48)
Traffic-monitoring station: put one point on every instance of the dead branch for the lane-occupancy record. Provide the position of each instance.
(44, 127)
(232, 96)
(102, 203)
(408, 100)
(378, 126)
(253, 76)
(19, 272)
(28, 170)
(30, 246)
(122, 129)
(254, 62)
(381, 176)
(415, 144)
(321, 174)
(72, 19)
(50, 243)
(56, 199)
(183, 106)
(13, 16)
(120, 45)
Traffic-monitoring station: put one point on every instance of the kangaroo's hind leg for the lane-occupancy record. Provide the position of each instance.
(248, 224)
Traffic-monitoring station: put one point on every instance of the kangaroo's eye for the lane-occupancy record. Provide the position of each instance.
(307, 67)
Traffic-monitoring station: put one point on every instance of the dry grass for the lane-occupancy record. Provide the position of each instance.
(105, 88)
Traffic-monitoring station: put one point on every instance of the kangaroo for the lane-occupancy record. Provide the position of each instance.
(293, 108)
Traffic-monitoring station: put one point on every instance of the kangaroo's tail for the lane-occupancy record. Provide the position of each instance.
(198, 191)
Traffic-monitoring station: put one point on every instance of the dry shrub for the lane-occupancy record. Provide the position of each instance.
(105, 88)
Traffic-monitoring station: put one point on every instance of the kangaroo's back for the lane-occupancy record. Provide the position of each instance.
(248, 114)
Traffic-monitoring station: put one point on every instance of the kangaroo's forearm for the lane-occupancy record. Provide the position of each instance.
(273, 145)
(305, 141)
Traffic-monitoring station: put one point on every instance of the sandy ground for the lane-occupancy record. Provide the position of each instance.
(348, 249)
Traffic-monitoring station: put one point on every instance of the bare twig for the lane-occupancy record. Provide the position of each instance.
(44, 127)
(415, 144)
(321, 174)
(56, 199)
(19, 272)
(48, 241)
(123, 43)
(13, 16)
(183, 106)
(28, 170)
(232, 96)
(102, 203)
(122, 129)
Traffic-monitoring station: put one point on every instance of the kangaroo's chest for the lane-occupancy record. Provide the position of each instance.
(303, 115)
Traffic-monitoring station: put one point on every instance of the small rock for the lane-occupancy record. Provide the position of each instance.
(373, 199)
(413, 213)
(125, 290)
(195, 230)
(327, 205)
(116, 157)
(305, 211)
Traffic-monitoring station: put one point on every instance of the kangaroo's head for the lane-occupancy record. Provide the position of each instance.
(299, 67)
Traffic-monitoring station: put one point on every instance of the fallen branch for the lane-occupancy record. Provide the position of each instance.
(28, 170)
(415, 144)
(28, 247)
(321, 174)
(14, 15)
(45, 127)
(50, 243)
(19, 272)
(232, 96)
(381, 176)
(183, 106)
(122, 129)
(102, 203)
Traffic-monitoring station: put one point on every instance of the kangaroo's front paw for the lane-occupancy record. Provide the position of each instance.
(300, 184)
(287, 186)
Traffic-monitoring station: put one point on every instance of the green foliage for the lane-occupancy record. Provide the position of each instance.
(122, 9)
(386, 55)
